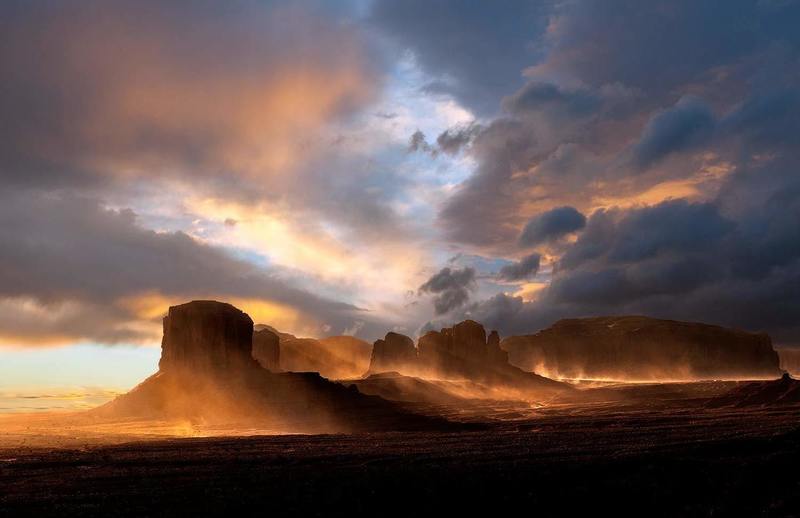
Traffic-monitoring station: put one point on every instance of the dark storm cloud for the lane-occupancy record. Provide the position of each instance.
(476, 51)
(657, 46)
(521, 270)
(678, 260)
(537, 95)
(643, 233)
(766, 120)
(643, 95)
(450, 288)
(618, 90)
(70, 250)
(551, 225)
(688, 124)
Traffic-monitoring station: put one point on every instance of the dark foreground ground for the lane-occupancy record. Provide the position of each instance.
(599, 461)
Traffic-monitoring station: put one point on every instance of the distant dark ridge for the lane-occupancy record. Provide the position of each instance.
(643, 348)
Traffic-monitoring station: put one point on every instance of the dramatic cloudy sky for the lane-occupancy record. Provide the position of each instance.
(355, 167)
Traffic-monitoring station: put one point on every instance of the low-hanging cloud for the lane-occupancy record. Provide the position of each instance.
(450, 287)
(523, 269)
(676, 260)
(551, 225)
(688, 124)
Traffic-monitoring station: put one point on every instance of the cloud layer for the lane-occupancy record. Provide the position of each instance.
(580, 159)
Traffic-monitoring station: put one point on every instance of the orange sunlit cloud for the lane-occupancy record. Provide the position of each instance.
(372, 270)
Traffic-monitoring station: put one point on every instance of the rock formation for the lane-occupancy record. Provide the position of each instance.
(642, 348)
(207, 373)
(395, 352)
(205, 337)
(462, 349)
(266, 349)
(461, 352)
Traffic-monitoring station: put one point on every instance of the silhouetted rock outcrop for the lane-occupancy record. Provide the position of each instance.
(633, 347)
(206, 337)
(462, 349)
(394, 353)
(266, 349)
(461, 352)
(207, 373)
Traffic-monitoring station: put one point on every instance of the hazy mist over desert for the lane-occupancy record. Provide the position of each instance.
(399, 257)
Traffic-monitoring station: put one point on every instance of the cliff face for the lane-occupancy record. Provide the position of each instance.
(266, 349)
(461, 349)
(461, 352)
(642, 348)
(206, 337)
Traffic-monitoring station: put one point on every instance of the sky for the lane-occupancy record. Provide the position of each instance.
(363, 166)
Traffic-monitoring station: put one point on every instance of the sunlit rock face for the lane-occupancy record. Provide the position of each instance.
(266, 349)
(206, 337)
(642, 348)
(395, 352)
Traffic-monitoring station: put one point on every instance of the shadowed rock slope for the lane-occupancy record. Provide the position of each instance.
(207, 374)
(783, 391)
(642, 348)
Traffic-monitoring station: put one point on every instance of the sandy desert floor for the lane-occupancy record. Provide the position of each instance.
(669, 456)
